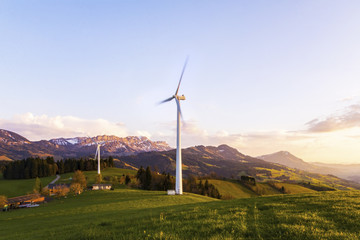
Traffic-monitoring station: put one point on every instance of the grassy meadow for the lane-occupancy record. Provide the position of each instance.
(137, 214)
(232, 189)
(18, 187)
(91, 175)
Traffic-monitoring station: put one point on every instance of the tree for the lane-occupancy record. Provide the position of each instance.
(3, 201)
(76, 188)
(111, 161)
(206, 186)
(169, 182)
(141, 176)
(61, 167)
(79, 177)
(114, 180)
(98, 179)
(127, 179)
(62, 191)
(81, 165)
(38, 185)
(147, 184)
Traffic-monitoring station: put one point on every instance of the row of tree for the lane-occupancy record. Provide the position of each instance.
(193, 185)
(152, 180)
(71, 165)
(30, 168)
(37, 167)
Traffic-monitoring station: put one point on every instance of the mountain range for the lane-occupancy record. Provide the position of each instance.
(133, 152)
(16, 147)
(347, 171)
(228, 162)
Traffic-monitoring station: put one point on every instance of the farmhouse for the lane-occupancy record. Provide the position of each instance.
(27, 199)
(101, 186)
(54, 188)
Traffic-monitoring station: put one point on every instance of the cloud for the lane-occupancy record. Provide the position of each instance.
(349, 118)
(39, 127)
(143, 134)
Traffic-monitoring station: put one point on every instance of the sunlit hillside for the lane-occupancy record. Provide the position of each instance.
(136, 214)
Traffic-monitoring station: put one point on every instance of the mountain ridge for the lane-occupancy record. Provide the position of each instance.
(16, 147)
(347, 171)
(225, 161)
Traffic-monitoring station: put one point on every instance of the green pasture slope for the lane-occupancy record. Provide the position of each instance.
(136, 214)
(232, 189)
(18, 187)
(91, 175)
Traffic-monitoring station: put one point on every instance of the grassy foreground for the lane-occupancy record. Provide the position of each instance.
(136, 214)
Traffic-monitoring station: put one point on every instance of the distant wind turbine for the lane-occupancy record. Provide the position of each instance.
(97, 153)
(178, 185)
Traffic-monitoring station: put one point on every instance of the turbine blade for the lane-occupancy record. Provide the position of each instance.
(92, 140)
(166, 100)
(96, 153)
(182, 73)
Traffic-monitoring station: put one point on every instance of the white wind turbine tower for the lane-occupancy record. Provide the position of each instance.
(178, 185)
(97, 153)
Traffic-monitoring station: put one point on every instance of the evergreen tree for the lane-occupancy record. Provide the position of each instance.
(140, 175)
(81, 165)
(206, 186)
(148, 178)
(127, 179)
(111, 161)
(38, 185)
(34, 168)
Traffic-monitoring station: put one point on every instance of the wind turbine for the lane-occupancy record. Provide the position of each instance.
(97, 153)
(178, 185)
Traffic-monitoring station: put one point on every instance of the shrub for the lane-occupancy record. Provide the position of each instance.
(76, 188)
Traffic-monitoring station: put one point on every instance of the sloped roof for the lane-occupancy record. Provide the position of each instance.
(58, 185)
(24, 198)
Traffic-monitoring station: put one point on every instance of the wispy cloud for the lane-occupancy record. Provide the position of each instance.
(349, 118)
(39, 127)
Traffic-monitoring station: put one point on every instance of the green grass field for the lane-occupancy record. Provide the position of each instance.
(14, 188)
(293, 188)
(136, 214)
(232, 189)
(18, 187)
(91, 175)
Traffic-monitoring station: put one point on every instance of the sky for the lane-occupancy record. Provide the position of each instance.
(262, 76)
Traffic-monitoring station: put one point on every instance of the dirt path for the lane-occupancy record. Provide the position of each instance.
(54, 181)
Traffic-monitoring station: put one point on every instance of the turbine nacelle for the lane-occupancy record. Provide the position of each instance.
(182, 97)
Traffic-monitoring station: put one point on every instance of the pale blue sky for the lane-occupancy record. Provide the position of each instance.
(257, 69)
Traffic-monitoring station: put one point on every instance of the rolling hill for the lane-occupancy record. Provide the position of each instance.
(229, 163)
(287, 159)
(133, 152)
(347, 171)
